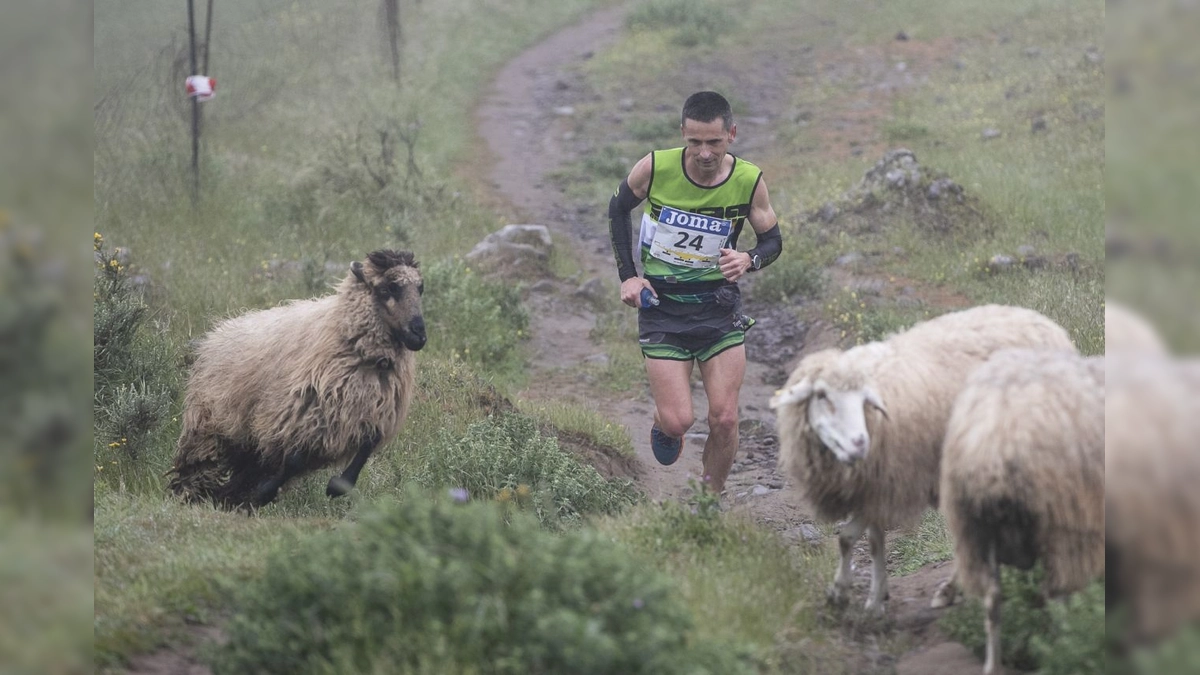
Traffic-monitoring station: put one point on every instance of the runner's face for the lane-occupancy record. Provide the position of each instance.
(706, 143)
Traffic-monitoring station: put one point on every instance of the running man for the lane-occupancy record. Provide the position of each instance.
(698, 199)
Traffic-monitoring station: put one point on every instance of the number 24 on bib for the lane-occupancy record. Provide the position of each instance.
(689, 239)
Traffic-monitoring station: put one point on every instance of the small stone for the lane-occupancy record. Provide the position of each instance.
(542, 286)
(810, 532)
(597, 360)
(848, 259)
(561, 85)
(760, 490)
(901, 36)
(626, 104)
(1038, 124)
(1025, 250)
(828, 212)
(990, 133)
(1032, 52)
(1000, 262)
(564, 110)
(592, 289)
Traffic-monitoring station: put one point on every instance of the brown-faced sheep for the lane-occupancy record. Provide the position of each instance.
(1023, 475)
(881, 470)
(296, 388)
(1152, 493)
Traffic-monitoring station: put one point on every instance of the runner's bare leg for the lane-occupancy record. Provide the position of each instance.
(671, 387)
(722, 375)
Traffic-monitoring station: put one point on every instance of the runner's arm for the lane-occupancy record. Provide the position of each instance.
(633, 191)
(762, 219)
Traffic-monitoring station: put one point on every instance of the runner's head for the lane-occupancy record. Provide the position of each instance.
(707, 106)
(708, 129)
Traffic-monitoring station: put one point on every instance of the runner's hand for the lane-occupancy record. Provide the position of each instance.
(631, 290)
(734, 264)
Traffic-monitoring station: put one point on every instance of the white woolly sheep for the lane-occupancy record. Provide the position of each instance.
(1023, 475)
(881, 470)
(1124, 330)
(1152, 498)
(296, 388)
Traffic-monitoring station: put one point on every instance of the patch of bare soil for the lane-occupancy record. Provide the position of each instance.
(181, 657)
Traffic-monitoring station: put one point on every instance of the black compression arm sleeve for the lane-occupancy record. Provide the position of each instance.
(620, 226)
(770, 245)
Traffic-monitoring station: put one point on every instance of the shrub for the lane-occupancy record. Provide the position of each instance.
(789, 279)
(1177, 655)
(135, 380)
(429, 586)
(507, 451)
(671, 525)
(690, 23)
(472, 318)
(44, 373)
(1059, 637)
(1076, 642)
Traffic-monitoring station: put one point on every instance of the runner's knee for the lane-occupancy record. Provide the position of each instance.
(723, 420)
(674, 424)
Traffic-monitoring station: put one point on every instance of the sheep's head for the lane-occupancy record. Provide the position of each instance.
(393, 280)
(836, 399)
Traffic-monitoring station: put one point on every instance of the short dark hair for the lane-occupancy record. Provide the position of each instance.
(706, 106)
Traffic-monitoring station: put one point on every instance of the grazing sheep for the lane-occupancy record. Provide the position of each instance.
(1124, 330)
(306, 385)
(881, 470)
(1023, 475)
(1152, 493)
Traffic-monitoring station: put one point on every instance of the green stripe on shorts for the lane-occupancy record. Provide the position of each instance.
(673, 353)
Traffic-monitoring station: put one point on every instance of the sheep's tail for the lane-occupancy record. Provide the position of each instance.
(993, 528)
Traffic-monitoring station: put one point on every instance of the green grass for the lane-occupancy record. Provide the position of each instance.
(722, 564)
(160, 566)
(927, 543)
(580, 420)
(303, 92)
(47, 594)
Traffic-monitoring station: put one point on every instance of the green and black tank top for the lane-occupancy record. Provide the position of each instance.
(684, 224)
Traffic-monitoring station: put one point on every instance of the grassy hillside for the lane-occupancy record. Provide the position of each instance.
(313, 155)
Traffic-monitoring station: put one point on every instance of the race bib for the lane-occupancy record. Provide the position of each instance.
(689, 239)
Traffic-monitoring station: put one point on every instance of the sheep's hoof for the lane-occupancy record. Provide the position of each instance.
(338, 486)
(836, 596)
(945, 596)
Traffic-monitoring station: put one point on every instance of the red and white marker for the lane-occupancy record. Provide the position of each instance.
(201, 87)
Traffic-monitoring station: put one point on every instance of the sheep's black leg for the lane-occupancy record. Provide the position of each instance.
(340, 485)
(269, 489)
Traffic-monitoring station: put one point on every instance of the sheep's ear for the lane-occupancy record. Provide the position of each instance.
(796, 393)
(357, 268)
(871, 397)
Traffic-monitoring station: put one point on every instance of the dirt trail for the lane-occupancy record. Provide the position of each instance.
(525, 126)
(519, 125)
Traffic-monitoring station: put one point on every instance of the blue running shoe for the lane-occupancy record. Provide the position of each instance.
(666, 449)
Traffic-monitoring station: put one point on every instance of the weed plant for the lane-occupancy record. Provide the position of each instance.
(504, 452)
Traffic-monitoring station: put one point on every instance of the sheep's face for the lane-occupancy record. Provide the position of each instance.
(836, 415)
(395, 284)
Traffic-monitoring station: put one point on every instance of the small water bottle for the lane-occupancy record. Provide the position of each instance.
(648, 299)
